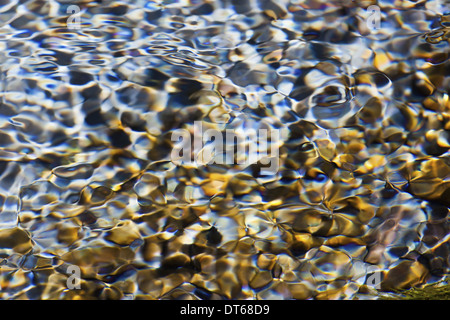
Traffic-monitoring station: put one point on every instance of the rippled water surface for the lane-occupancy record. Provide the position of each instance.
(89, 103)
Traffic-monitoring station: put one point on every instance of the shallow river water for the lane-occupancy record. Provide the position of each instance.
(96, 202)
